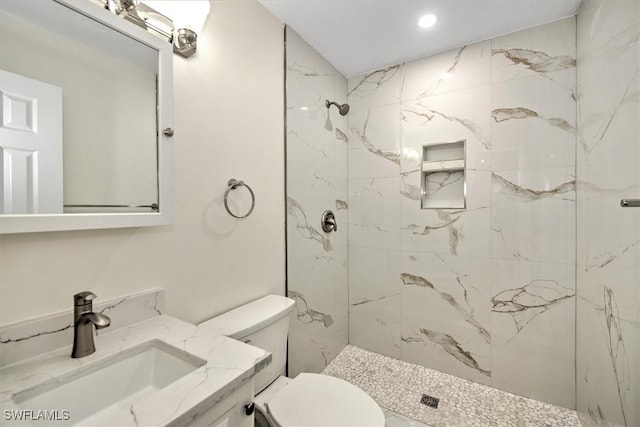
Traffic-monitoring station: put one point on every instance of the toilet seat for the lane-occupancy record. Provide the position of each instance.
(315, 400)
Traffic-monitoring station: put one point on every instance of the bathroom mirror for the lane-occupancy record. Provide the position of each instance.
(86, 98)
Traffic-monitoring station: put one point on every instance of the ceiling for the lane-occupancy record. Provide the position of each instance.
(357, 36)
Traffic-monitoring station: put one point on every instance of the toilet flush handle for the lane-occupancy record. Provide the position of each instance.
(249, 408)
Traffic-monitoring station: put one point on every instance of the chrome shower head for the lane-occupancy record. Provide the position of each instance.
(343, 109)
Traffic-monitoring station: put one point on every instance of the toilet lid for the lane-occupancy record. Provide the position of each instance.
(320, 400)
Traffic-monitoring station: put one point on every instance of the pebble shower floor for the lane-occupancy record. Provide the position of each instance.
(399, 386)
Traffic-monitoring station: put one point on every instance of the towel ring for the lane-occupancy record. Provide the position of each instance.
(233, 184)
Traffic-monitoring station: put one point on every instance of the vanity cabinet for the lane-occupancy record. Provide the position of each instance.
(229, 412)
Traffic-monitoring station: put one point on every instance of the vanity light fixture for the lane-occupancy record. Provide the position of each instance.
(184, 42)
(188, 18)
(427, 21)
(143, 16)
(178, 21)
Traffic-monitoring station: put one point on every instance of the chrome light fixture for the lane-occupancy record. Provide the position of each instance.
(185, 42)
(188, 18)
(178, 21)
(143, 16)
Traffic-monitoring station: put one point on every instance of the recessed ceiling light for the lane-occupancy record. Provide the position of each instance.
(427, 20)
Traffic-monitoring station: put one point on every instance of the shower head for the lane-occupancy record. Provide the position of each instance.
(343, 109)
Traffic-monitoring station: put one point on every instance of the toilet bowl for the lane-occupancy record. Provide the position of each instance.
(308, 400)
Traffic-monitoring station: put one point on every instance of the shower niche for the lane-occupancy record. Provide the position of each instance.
(442, 175)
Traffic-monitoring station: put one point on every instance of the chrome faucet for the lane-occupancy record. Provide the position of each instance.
(83, 320)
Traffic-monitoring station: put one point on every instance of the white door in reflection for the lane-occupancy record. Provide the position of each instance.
(30, 146)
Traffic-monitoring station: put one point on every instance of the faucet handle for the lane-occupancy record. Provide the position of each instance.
(83, 298)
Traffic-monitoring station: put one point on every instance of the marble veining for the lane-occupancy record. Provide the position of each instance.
(447, 219)
(409, 190)
(451, 346)
(618, 41)
(503, 240)
(306, 71)
(340, 135)
(527, 302)
(604, 259)
(294, 136)
(447, 75)
(438, 181)
(304, 228)
(617, 349)
(519, 113)
(629, 95)
(37, 334)
(531, 194)
(427, 114)
(448, 224)
(360, 301)
(370, 82)
(537, 61)
(305, 314)
(323, 180)
(362, 135)
(467, 314)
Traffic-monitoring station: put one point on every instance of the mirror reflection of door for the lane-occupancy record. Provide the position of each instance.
(30, 146)
(109, 88)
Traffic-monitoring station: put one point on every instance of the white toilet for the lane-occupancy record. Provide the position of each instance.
(307, 400)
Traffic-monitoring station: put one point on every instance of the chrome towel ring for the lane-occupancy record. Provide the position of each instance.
(232, 185)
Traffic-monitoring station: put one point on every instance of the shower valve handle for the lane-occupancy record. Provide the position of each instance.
(328, 222)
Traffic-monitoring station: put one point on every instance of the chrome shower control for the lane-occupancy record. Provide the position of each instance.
(328, 222)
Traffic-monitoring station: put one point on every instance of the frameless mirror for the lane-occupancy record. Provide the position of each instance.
(84, 97)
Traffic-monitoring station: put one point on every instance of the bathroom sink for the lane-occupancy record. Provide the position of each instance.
(103, 389)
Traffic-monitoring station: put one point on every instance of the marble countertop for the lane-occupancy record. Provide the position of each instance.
(229, 365)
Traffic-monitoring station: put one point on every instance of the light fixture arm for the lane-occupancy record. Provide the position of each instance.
(184, 42)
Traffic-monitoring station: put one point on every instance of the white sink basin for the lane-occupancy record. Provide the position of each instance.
(106, 388)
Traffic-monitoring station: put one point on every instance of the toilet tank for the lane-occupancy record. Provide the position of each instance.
(263, 323)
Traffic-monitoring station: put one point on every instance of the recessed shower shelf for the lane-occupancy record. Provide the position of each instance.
(446, 165)
(442, 176)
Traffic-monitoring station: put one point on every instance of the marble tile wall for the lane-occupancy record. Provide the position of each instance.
(486, 293)
(316, 181)
(608, 250)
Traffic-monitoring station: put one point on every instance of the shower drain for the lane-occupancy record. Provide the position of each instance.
(430, 401)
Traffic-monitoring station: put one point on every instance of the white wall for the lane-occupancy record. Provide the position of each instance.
(229, 123)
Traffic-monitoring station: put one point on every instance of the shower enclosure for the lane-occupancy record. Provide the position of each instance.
(316, 181)
(534, 286)
(608, 235)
